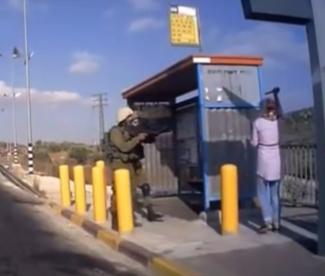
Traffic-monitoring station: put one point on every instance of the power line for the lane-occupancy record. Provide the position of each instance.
(100, 101)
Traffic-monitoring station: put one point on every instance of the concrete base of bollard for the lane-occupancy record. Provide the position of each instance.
(158, 264)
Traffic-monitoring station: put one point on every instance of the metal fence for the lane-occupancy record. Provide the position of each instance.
(299, 185)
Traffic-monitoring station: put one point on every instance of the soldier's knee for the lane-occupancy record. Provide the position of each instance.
(145, 188)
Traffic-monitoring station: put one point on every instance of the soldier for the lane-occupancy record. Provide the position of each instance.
(125, 151)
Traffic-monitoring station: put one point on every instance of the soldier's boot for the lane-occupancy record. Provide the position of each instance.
(136, 221)
(152, 215)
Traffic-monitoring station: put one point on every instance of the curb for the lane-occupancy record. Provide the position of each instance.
(156, 263)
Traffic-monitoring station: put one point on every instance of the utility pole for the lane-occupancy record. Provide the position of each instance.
(15, 55)
(29, 104)
(100, 101)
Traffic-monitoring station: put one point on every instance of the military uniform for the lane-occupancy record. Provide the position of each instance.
(126, 152)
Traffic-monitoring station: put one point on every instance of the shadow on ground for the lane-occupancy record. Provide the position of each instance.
(303, 218)
(29, 246)
(77, 263)
(297, 217)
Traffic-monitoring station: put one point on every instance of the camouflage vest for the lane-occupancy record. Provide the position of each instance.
(112, 152)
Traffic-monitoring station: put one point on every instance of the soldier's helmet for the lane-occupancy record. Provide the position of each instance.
(123, 113)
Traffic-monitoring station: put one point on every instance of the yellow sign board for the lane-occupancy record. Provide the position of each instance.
(184, 27)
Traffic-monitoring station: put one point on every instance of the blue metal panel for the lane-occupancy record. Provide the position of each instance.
(288, 11)
(316, 40)
(209, 193)
(259, 82)
(187, 147)
(260, 89)
(229, 131)
(214, 198)
(190, 101)
(225, 106)
(231, 86)
(203, 138)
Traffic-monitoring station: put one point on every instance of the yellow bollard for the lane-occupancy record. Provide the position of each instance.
(123, 201)
(100, 163)
(64, 186)
(99, 195)
(79, 189)
(229, 199)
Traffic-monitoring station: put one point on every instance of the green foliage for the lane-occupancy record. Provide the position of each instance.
(52, 147)
(95, 156)
(298, 127)
(41, 155)
(3, 145)
(80, 154)
(38, 143)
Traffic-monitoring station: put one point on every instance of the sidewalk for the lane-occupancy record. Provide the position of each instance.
(192, 242)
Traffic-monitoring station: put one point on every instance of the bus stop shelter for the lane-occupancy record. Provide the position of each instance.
(208, 103)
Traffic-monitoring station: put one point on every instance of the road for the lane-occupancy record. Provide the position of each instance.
(35, 241)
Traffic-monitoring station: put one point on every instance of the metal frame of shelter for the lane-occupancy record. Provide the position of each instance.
(308, 13)
(183, 77)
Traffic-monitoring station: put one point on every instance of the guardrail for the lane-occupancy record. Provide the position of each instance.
(299, 185)
(18, 182)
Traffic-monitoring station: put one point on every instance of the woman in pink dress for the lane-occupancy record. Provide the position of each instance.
(265, 137)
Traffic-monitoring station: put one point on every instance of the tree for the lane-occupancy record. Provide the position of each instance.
(80, 154)
(53, 147)
(39, 143)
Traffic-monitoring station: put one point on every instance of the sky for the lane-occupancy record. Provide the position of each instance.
(84, 47)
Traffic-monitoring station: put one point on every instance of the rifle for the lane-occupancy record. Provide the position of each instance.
(151, 128)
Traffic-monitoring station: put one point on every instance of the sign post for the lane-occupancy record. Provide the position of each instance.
(311, 14)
